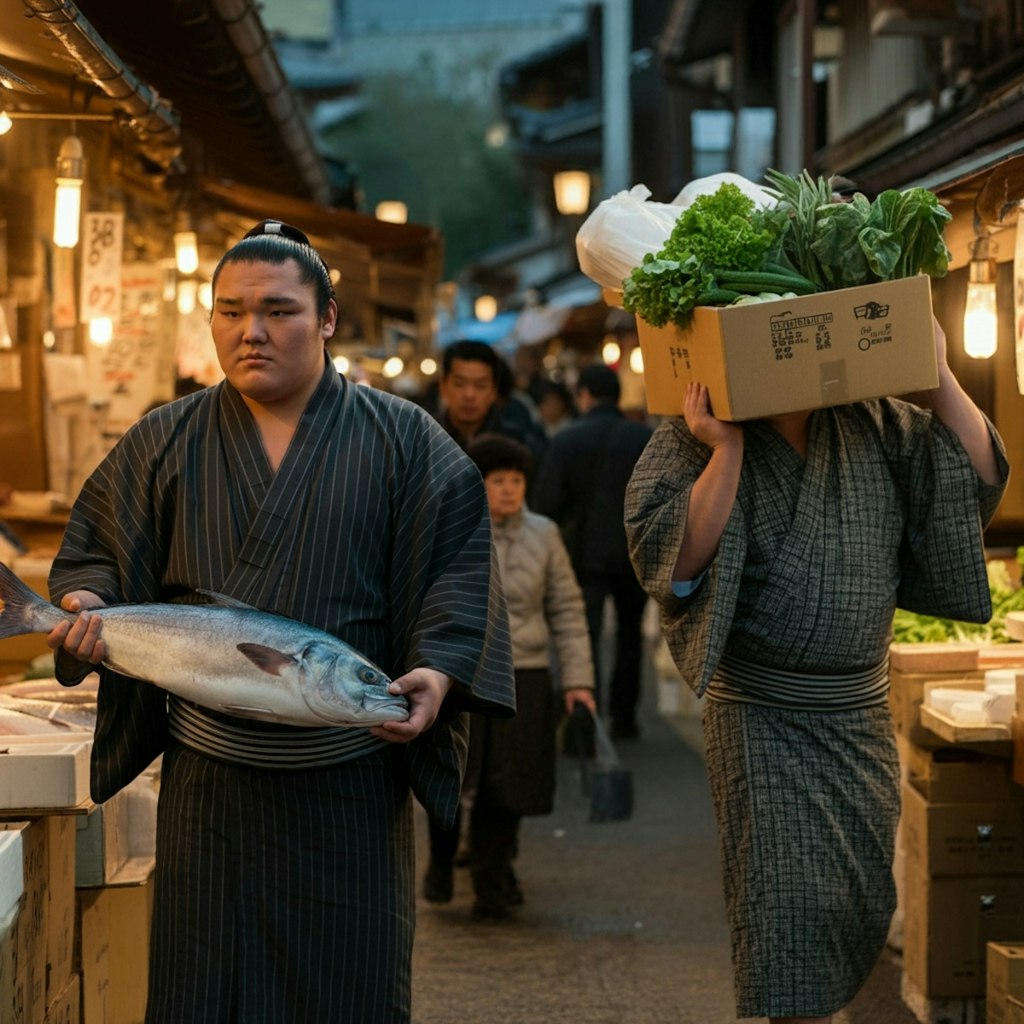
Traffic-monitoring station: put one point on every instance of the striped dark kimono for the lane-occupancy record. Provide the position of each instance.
(374, 528)
(886, 510)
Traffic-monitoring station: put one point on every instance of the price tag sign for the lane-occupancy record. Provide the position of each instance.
(103, 241)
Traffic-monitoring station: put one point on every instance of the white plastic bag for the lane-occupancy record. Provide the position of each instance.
(709, 185)
(615, 237)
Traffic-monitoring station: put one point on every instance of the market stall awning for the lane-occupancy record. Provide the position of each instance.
(176, 73)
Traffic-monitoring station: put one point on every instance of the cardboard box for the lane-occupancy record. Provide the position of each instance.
(114, 924)
(35, 963)
(1013, 1010)
(43, 772)
(92, 925)
(60, 903)
(12, 980)
(766, 358)
(948, 924)
(1004, 977)
(975, 838)
(102, 841)
(954, 775)
(25, 985)
(67, 1007)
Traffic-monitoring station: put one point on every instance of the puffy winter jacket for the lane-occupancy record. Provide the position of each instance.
(545, 603)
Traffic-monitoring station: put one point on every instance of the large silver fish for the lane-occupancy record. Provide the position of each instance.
(226, 656)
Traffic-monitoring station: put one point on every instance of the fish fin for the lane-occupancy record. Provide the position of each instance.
(268, 659)
(22, 610)
(225, 601)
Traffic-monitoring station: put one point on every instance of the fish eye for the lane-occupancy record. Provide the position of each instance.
(368, 675)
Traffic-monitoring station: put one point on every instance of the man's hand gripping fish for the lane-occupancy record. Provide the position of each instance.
(226, 656)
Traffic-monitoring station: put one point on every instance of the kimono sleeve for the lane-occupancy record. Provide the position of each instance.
(695, 627)
(107, 549)
(948, 507)
(448, 607)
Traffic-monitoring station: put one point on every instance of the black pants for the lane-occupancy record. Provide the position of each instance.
(630, 600)
(444, 842)
(494, 840)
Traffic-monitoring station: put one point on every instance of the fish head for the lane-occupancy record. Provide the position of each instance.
(344, 688)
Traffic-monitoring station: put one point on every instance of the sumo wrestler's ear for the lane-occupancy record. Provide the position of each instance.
(329, 323)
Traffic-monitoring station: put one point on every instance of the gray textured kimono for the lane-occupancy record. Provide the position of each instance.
(886, 510)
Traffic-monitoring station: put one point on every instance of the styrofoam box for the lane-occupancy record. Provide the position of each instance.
(41, 772)
(12, 876)
(101, 841)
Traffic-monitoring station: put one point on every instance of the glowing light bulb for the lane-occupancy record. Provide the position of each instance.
(101, 330)
(485, 309)
(67, 203)
(981, 322)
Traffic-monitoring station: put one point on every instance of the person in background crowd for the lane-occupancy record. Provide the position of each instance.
(475, 395)
(284, 859)
(778, 551)
(555, 406)
(581, 485)
(476, 398)
(512, 763)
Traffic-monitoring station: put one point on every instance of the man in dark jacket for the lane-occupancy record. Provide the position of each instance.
(476, 396)
(581, 484)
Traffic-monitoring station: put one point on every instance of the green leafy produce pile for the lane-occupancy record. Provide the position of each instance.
(908, 627)
(842, 245)
(724, 247)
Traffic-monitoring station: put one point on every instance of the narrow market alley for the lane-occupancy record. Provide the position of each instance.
(623, 922)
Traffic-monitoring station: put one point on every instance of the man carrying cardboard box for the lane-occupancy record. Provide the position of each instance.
(778, 550)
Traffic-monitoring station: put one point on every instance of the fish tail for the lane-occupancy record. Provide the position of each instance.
(22, 610)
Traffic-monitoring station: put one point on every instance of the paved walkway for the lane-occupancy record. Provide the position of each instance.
(623, 922)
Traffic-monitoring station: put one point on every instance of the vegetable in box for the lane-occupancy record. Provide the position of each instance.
(727, 249)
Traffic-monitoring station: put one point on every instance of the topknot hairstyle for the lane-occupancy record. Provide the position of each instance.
(273, 241)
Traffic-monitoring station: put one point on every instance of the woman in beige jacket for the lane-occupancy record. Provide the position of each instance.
(512, 762)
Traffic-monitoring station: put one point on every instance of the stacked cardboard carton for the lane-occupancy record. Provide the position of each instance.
(961, 858)
(75, 895)
(37, 941)
(1005, 983)
(70, 955)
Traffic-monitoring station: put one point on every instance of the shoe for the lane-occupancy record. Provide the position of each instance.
(624, 731)
(438, 883)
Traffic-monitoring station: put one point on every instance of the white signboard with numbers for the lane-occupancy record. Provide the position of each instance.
(102, 244)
